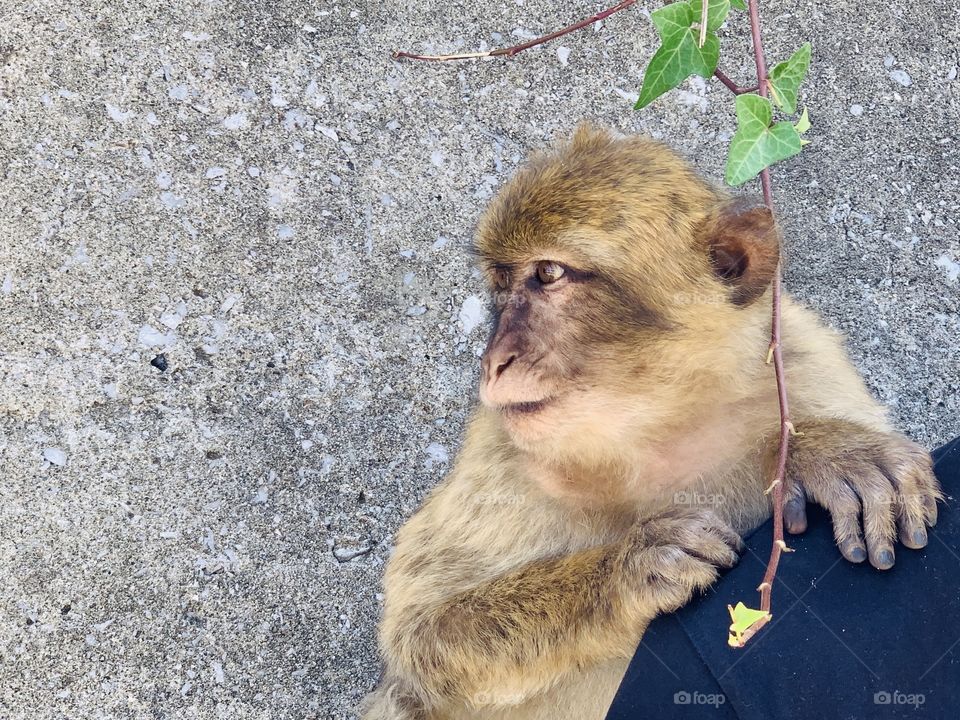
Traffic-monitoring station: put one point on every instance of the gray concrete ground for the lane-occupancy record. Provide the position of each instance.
(255, 190)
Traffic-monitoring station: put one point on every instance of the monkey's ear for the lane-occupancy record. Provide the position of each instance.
(744, 248)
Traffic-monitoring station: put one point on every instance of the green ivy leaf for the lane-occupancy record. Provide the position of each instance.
(739, 5)
(803, 124)
(717, 11)
(679, 55)
(786, 77)
(756, 144)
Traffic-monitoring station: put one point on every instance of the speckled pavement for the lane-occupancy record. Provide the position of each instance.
(239, 326)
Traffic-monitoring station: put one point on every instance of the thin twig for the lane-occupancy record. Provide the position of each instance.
(734, 88)
(511, 51)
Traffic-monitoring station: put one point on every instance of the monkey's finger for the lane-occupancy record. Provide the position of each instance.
(706, 545)
(930, 488)
(795, 509)
(727, 534)
(844, 507)
(879, 519)
(911, 511)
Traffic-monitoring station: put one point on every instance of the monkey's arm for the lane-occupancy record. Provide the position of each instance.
(515, 634)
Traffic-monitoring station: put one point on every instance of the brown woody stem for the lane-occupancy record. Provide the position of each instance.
(511, 51)
(766, 586)
(734, 88)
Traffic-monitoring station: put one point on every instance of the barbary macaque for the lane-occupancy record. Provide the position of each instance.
(627, 430)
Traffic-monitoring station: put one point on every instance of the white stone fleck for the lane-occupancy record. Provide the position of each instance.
(110, 390)
(173, 318)
(116, 114)
(217, 672)
(68, 94)
(7, 286)
(295, 119)
(196, 37)
(253, 171)
(436, 157)
(150, 337)
(278, 100)
(437, 454)
(416, 310)
(856, 110)
(563, 54)
(171, 200)
(329, 132)
(260, 497)
(215, 172)
(55, 456)
(227, 305)
(439, 243)
(178, 92)
(472, 313)
(164, 180)
(236, 121)
(335, 180)
(285, 232)
(901, 77)
(951, 267)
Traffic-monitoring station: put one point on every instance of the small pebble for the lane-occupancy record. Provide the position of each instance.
(901, 77)
(160, 362)
(55, 456)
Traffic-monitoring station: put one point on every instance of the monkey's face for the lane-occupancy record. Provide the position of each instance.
(618, 277)
(565, 341)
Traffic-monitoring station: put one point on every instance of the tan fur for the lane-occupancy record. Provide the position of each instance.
(617, 402)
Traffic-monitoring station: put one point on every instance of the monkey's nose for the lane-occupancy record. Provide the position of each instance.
(493, 366)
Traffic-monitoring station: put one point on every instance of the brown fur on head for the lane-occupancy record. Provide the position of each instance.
(611, 264)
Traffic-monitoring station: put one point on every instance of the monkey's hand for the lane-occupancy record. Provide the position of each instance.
(668, 559)
(856, 472)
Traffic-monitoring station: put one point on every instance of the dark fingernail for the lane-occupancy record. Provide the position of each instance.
(857, 554)
(920, 537)
(885, 559)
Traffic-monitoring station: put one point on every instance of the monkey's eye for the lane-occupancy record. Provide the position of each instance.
(549, 272)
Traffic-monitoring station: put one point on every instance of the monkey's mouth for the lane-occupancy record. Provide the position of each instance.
(525, 408)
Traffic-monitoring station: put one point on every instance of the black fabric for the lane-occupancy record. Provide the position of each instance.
(845, 641)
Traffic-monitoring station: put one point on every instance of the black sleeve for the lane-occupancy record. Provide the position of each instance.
(846, 641)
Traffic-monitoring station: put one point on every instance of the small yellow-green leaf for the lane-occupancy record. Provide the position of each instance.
(803, 124)
(804, 142)
(786, 77)
(756, 145)
(743, 618)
